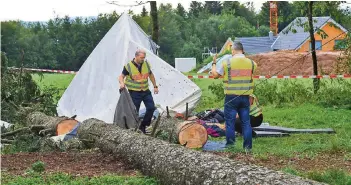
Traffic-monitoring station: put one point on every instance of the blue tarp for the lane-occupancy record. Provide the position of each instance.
(72, 133)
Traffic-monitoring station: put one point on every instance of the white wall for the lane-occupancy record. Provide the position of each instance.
(185, 64)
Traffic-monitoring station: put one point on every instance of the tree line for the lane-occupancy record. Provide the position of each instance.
(65, 42)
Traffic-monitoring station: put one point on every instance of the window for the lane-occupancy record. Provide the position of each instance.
(318, 45)
(339, 44)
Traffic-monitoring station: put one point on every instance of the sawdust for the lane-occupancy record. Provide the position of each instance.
(77, 164)
(272, 62)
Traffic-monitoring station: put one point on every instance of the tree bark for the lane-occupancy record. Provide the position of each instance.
(313, 47)
(43, 122)
(174, 164)
(154, 18)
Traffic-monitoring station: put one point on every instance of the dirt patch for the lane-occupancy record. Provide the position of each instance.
(76, 164)
(319, 162)
(272, 62)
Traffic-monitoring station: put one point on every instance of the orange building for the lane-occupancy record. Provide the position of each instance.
(328, 35)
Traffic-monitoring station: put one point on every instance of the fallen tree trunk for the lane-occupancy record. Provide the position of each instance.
(174, 164)
(41, 123)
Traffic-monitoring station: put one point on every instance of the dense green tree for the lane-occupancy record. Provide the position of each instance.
(65, 43)
(181, 10)
(144, 13)
(285, 14)
(195, 8)
(213, 7)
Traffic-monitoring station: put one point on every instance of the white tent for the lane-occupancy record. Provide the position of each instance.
(94, 91)
(208, 67)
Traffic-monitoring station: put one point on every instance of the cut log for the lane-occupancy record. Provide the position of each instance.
(65, 126)
(191, 134)
(39, 121)
(186, 133)
(174, 164)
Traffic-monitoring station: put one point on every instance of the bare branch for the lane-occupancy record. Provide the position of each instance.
(122, 5)
(14, 132)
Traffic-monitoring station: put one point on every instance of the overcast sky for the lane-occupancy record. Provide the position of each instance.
(43, 10)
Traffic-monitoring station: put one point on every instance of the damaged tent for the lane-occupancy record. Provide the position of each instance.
(207, 68)
(94, 91)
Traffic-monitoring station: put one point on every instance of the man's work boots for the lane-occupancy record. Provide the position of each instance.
(142, 129)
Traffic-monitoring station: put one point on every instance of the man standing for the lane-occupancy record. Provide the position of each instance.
(238, 86)
(135, 76)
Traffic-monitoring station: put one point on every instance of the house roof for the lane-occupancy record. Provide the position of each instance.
(229, 40)
(294, 35)
(254, 45)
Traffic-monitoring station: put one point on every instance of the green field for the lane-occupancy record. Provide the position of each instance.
(297, 115)
(61, 178)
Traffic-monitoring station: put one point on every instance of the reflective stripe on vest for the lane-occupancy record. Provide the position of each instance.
(137, 81)
(238, 81)
(255, 109)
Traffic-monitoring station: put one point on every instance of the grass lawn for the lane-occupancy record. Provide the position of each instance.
(302, 146)
(61, 178)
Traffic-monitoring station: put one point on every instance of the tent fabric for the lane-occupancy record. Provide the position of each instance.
(208, 67)
(94, 91)
(155, 115)
(126, 115)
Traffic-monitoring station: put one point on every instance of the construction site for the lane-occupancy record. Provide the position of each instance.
(128, 116)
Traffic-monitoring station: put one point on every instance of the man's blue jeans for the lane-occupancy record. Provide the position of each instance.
(146, 97)
(237, 104)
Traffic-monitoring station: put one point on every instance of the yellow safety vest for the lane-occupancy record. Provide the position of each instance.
(137, 81)
(238, 76)
(255, 109)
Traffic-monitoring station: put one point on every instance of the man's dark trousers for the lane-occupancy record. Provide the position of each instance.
(237, 104)
(146, 97)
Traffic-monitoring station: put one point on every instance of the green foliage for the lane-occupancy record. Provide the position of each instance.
(344, 64)
(217, 90)
(38, 167)
(4, 63)
(23, 143)
(263, 31)
(288, 91)
(62, 178)
(21, 95)
(65, 43)
(332, 176)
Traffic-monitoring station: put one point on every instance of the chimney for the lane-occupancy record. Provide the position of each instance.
(270, 35)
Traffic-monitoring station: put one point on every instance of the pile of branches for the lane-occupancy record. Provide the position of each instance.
(20, 95)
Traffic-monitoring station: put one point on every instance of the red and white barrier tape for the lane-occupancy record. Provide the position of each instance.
(47, 70)
(282, 76)
(206, 76)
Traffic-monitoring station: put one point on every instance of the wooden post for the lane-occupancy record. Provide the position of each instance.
(186, 112)
(167, 112)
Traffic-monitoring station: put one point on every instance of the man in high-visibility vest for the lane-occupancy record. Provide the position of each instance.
(256, 116)
(238, 82)
(135, 76)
